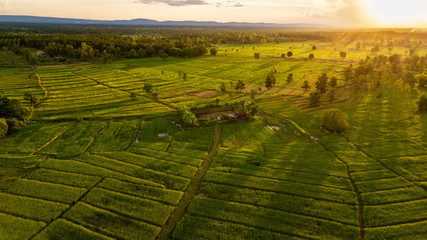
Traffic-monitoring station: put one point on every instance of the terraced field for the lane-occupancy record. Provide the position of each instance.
(99, 164)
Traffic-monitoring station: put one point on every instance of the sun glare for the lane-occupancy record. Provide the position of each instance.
(399, 12)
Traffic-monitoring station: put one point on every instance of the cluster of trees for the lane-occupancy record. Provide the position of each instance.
(323, 86)
(13, 115)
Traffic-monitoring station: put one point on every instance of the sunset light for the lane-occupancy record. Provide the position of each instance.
(388, 12)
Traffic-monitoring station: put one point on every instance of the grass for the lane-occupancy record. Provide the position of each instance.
(16, 228)
(67, 230)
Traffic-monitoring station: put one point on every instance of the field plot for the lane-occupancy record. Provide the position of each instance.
(104, 159)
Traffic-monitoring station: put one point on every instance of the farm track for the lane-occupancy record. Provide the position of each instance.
(191, 189)
(128, 92)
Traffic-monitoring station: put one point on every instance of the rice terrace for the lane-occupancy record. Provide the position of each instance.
(165, 132)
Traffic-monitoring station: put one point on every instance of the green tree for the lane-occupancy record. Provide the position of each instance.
(222, 87)
(32, 98)
(184, 76)
(334, 120)
(187, 116)
(343, 54)
(240, 85)
(270, 80)
(333, 82)
(14, 125)
(331, 95)
(253, 93)
(163, 55)
(422, 103)
(148, 87)
(257, 56)
(410, 79)
(322, 83)
(251, 108)
(305, 85)
(422, 81)
(314, 99)
(3, 127)
(290, 54)
(290, 78)
(311, 56)
(314, 47)
(213, 51)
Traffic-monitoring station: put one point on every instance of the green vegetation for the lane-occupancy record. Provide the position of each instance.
(225, 145)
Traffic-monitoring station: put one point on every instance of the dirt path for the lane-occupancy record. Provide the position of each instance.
(191, 189)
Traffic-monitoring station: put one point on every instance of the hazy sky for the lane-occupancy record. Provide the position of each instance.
(330, 12)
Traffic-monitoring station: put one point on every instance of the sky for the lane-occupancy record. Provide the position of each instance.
(349, 13)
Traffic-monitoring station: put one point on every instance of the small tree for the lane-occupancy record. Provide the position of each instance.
(257, 56)
(290, 54)
(240, 85)
(314, 47)
(163, 55)
(251, 108)
(187, 116)
(184, 76)
(148, 87)
(253, 93)
(213, 51)
(290, 78)
(331, 95)
(32, 98)
(3, 127)
(132, 95)
(422, 103)
(305, 85)
(333, 82)
(343, 55)
(314, 99)
(270, 80)
(311, 56)
(322, 83)
(223, 88)
(334, 120)
(422, 82)
(358, 45)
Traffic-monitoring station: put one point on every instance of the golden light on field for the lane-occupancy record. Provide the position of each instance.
(397, 11)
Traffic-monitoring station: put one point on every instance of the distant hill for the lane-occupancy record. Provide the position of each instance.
(140, 21)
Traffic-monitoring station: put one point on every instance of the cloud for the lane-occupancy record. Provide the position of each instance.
(177, 3)
(4, 5)
(238, 5)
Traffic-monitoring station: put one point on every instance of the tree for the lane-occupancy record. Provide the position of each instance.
(14, 125)
(376, 48)
(314, 47)
(358, 45)
(422, 81)
(422, 103)
(251, 108)
(184, 76)
(305, 85)
(311, 56)
(3, 127)
(333, 82)
(187, 116)
(148, 87)
(163, 55)
(322, 83)
(257, 56)
(314, 99)
(334, 120)
(222, 87)
(270, 80)
(331, 95)
(289, 54)
(343, 54)
(213, 51)
(290, 78)
(253, 93)
(240, 85)
(410, 79)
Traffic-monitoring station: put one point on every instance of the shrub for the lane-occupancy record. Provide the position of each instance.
(334, 120)
(422, 103)
(3, 127)
(14, 125)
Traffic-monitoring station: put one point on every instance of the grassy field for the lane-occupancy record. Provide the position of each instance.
(106, 160)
